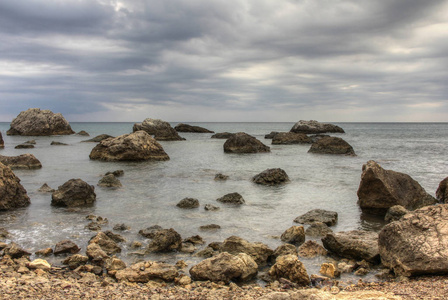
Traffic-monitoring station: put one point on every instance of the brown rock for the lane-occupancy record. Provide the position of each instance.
(72, 193)
(188, 203)
(232, 198)
(222, 135)
(76, 260)
(24, 146)
(285, 249)
(40, 264)
(289, 138)
(165, 240)
(311, 249)
(161, 130)
(83, 133)
(395, 213)
(24, 161)
(106, 243)
(98, 138)
(145, 271)
(442, 191)
(332, 145)
(318, 229)
(190, 128)
(243, 143)
(66, 246)
(329, 270)
(15, 251)
(258, 251)
(290, 268)
(44, 252)
(12, 193)
(109, 181)
(271, 177)
(294, 235)
(327, 217)
(314, 127)
(45, 188)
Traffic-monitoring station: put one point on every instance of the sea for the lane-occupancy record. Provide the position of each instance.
(152, 189)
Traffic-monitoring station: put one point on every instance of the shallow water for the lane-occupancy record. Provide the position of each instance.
(151, 190)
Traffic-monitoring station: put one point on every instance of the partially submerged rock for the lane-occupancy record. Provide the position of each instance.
(83, 133)
(66, 246)
(106, 243)
(395, 213)
(290, 138)
(294, 235)
(12, 193)
(290, 268)
(327, 217)
(161, 130)
(24, 146)
(222, 135)
(2, 143)
(271, 177)
(244, 143)
(15, 251)
(232, 198)
(45, 188)
(109, 181)
(98, 138)
(314, 127)
(150, 232)
(258, 251)
(270, 135)
(191, 128)
(188, 203)
(55, 143)
(332, 145)
(311, 249)
(221, 177)
(74, 192)
(24, 161)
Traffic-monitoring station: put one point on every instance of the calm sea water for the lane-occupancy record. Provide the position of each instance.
(151, 190)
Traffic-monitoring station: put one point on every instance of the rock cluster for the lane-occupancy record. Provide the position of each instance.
(332, 145)
(161, 130)
(244, 143)
(72, 193)
(12, 193)
(190, 128)
(271, 177)
(24, 161)
(314, 127)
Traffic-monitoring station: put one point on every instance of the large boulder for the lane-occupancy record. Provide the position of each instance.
(327, 217)
(290, 268)
(161, 130)
(258, 251)
(165, 240)
(332, 145)
(313, 127)
(244, 143)
(12, 193)
(417, 244)
(271, 177)
(74, 192)
(289, 138)
(442, 191)
(24, 161)
(191, 128)
(39, 122)
(136, 146)
(2, 143)
(355, 244)
(381, 189)
(147, 270)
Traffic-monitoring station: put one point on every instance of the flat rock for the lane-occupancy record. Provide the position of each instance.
(271, 177)
(327, 217)
(143, 272)
(98, 138)
(244, 143)
(290, 138)
(332, 145)
(191, 128)
(23, 161)
(314, 127)
(55, 143)
(161, 130)
(12, 193)
(24, 146)
(74, 192)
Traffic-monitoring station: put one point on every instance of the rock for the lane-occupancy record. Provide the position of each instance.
(31, 142)
(395, 213)
(150, 231)
(361, 272)
(44, 252)
(315, 137)
(12, 193)
(121, 227)
(106, 244)
(136, 146)
(225, 267)
(290, 268)
(329, 270)
(4, 234)
(271, 177)
(2, 143)
(332, 145)
(96, 254)
(206, 252)
(381, 189)
(116, 173)
(442, 191)
(76, 260)
(417, 244)
(243, 143)
(98, 138)
(45, 188)
(232, 198)
(294, 235)
(165, 240)
(210, 227)
(314, 127)
(327, 217)
(311, 249)
(145, 271)
(210, 207)
(66, 246)
(24, 146)
(39, 264)
(318, 229)
(15, 251)
(195, 240)
(258, 251)
(114, 264)
(290, 138)
(54, 143)
(73, 193)
(83, 133)
(39, 122)
(355, 244)
(161, 130)
(220, 176)
(270, 135)
(24, 161)
(284, 249)
(187, 248)
(190, 128)
(222, 135)
(117, 238)
(188, 203)
(109, 181)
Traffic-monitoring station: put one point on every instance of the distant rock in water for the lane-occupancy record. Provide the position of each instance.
(24, 146)
(2, 143)
(24, 161)
(116, 173)
(137, 146)
(190, 128)
(271, 177)
(232, 198)
(45, 188)
(289, 138)
(12, 193)
(83, 133)
(109, 181)
(161, 130)
(98, 138)
(38, 122)
(221, 177)
(54, 143)
(332, 145)
(313, 127)
(73, 193)
(222, 135)
(188, 203)
(327, 217)
(270, 135)
(244, 143)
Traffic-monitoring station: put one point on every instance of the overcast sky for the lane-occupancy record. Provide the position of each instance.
(225, 60)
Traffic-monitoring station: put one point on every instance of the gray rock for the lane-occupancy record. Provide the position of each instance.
(314, 127)
(24, 161)
(54, 143)
(109, 181)
(232, 198)
(327, 217)
(191, 128)
(74, 192)
(2, 143)
(210, 207)
(24, 146)
(161, 130)
(243, 143)
(332, 145)
(270, 135)
(188, 203)
(150, 231)
(12, 193)
(271, 177)
(116, 173)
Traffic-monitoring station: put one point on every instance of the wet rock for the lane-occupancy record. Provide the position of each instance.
(165, 240)
(270, 135)
(243, 143)
(40, 264)
(39, 122)
(83, 133)
(232, 198)
(76, 260)
(195, 240)
(161, 130)
(271, 177)
(44, 252)
(93, 226)
(311, 249)
(188, 203)
(206, 252)
(15, 251)
(290, 268)
(210, 227)
(150, 231)
(117, 238)
(314, 127)
(332, 145)
(294, 235)
(136, 245)
(66, 246)
(12, 193)
(116, 173)
(222, 135)
(45, 188)
(98, 138)
(109, 181)
(327, 217)
(54, 143)
(190, 128)
(395, 213)
(73, 193)
(145, 271)
(24, 161)
(315, 137)
(381, 189)
(24, 146)
(221, 177)
(106, 244)
(284, 249)
(121, 227)
(290, 138)
(329, 270)
(187, 248)
(210, 207)
(442, 191)
(258, 251)
(318, 229)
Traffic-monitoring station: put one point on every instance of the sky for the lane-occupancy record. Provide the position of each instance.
(226, 60)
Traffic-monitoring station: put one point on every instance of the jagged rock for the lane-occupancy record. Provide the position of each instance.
(106, 244)
(211, 207)
(329, 270)
(116, 173)
(332, 145)
(225, 267)
(417, 244)
(24, 146)
(271, 177)
(188, 203)
(114, 264)
(195, 240)
(76, 260)
(355, 244)
(294, 235)
(395, 213)
(15, 251)
(161, 130)
(210, 227)
(381, 189)
(258, 251)
(190, 128)
(165, 240)
(220, 176)
(83, 133)
(243, 143)
(39, 122)
(24, 161)
(40, 264)
(74, 192)
(12, 193)
(44, 252)
(290, 138)
(145, 271)
(232, 198)
(442, 191)
(327, 217)
(98, 138)
(96, 254)
(45, 188)
(2, 143)
(109, 181)
(150, 231)
(284, 249)
(314, 127)
(290, 268)
(129, 147)
(270, 135)
(311, 249)
(222, 135)
(121, 227)
(117, 238)
(318, 229)
(66, 246)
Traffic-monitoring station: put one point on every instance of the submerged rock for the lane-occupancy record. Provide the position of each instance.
(332, 145)
(161, 130)
(271, 177)
(222, 135)
(243, 143)
(12, 193)
(313, 127)
(190, 128)
(290, 138)
(221, 177)
(232, 198)
(54, 143)
(98, 138)
(327, 217)
(74, 192)
(83, 133)
(24, 161)
(116, 173)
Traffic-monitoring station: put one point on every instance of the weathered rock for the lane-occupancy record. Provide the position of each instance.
(15, 251)
(329, 270)
(39, 122)
(2, 143)
(44, 252)
(150, 231)
(243, 143)
(294, 235)
(258, 251)
(395, 213)
(270, 135)
(24, 161)
(220, 176)
(210, 207)
(66, 246)
(191, 128)
(136, 146)
(271, 177)
(442, 191)
(165, 240)
(4, 234)
(314, 127)
(195, 240)
(332, 145)
(381, 189)
(417, 244)
(284, 249)
(12, 193)
(83, 133)
(98, 138)
(315, 137)
(117, 238)
(45, 188)
(96, 254)
(72, 193)
(290, 138)
(109, 181)
(222, 135)
(39, 264)
(232, 198)
(210, 227)
(290, 268)
(24, 146)
(355, 244)
(188, 203)
(76, 260)
(116, 173)
(114, 264)
(311, 249)
(106, 244)
(161, 130)
(327, 217)
(121, 227)
(145, 271)
(318, 229)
